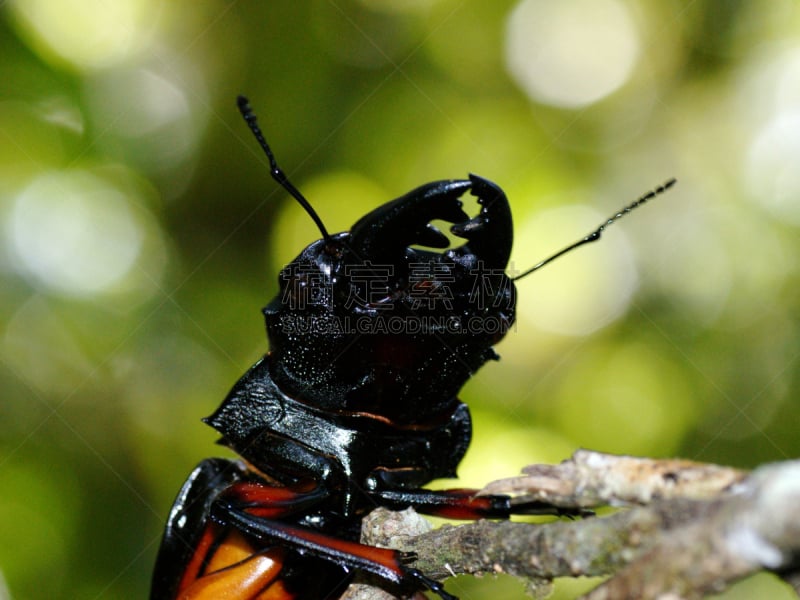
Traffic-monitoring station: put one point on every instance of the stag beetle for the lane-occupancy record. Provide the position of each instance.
(347, 412)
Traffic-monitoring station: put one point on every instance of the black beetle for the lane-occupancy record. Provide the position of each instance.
(355, 406)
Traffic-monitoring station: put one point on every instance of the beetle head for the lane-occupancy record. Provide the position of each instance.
(366, 322)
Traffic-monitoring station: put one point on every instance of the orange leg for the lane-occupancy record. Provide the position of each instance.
(236, 572)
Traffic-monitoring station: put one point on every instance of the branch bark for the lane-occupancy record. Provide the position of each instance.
(686, 530)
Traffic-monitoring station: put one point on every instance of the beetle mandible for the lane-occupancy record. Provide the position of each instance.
(345, 413)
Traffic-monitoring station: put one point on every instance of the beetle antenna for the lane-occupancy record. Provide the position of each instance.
(276, 172)
(595, 235)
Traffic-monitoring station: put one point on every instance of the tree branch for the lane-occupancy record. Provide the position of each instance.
(691, 529)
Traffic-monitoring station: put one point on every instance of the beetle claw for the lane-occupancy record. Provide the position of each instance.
(490, 234)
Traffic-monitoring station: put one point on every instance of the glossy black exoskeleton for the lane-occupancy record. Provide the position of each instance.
(372, 335)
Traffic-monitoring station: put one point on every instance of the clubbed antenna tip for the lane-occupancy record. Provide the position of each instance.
(276, 172)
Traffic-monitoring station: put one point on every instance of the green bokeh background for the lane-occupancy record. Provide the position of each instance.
(141, 234)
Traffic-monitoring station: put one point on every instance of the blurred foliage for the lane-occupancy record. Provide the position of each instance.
(142, 233)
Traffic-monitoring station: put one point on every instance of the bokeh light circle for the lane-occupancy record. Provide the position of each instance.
(74, 233)
(772, 171)
(571, 54)
(88, 35)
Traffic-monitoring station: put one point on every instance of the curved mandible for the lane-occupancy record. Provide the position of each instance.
(383, 234)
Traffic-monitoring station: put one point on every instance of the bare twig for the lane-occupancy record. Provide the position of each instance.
(590, 479)
(693, 529)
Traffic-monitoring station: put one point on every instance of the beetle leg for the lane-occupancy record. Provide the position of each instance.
(235, 572)
(462, 504)
(275, 502)
(385, 564)
(465, 504)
